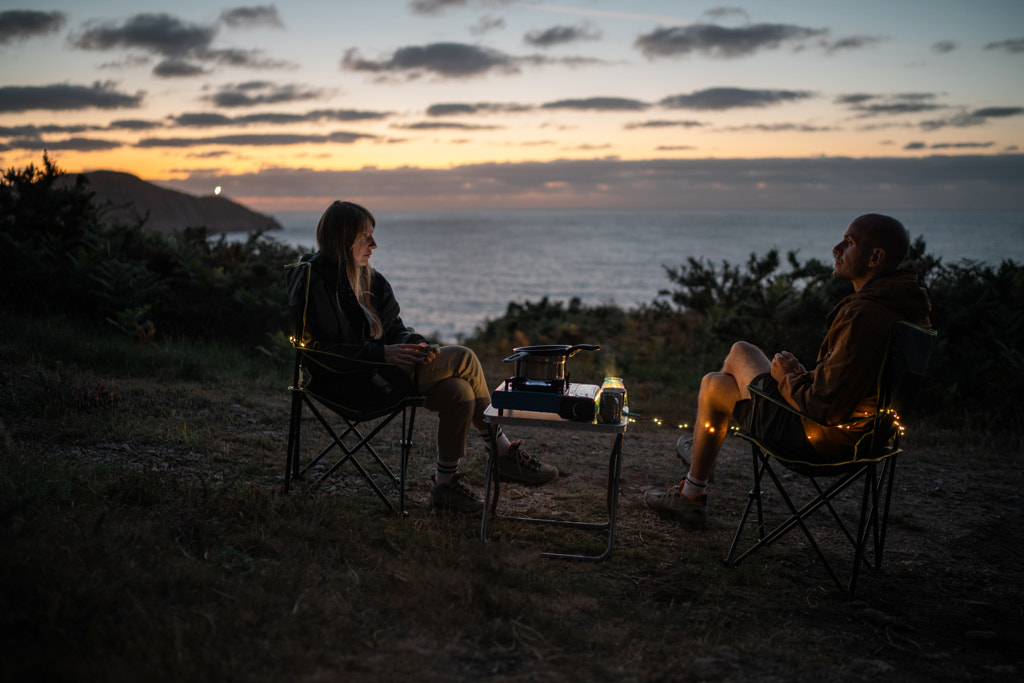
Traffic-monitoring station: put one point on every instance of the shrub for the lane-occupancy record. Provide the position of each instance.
(62, 258)
(976, 373)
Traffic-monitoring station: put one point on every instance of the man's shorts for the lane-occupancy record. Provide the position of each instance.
(772, 424)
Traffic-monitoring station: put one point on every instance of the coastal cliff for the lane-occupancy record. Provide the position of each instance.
(132, 200)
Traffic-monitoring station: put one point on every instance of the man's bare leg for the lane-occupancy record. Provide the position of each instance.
(719, 393)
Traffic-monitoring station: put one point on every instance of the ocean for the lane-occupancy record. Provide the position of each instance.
(453, 270)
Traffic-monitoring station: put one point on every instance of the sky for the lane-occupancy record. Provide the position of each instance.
(450, 104)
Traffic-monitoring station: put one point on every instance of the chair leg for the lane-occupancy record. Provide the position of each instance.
(362, 443)
(406, 448)
(889, 472)
(753, 498)
(291, 467)
(796, 517)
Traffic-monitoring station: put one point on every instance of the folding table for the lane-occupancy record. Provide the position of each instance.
(524, 418)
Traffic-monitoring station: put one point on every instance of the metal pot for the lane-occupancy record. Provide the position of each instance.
(545, 362)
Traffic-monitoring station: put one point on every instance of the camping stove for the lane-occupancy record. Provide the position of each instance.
(546, 386)
(569, 400)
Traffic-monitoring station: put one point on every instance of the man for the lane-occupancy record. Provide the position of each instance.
(841, 384)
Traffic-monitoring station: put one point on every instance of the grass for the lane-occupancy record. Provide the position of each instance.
(145, 537)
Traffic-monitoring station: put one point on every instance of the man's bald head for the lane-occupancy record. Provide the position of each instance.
(886, 233)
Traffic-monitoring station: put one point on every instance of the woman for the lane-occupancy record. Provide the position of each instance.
(351, 310)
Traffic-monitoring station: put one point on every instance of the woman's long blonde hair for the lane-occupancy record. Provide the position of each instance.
(336, 232)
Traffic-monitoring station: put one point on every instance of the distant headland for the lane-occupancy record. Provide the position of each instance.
(132, 200)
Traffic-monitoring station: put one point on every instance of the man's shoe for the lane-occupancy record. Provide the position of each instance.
(692, 513)
(455, 496)
(517, 466)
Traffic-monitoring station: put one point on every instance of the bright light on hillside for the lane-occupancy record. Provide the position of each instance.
(216, 190)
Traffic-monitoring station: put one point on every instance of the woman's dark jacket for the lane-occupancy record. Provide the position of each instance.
(337, 323)
(328, 318)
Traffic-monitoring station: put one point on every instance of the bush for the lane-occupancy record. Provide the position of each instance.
(62, 258)
(976, 373)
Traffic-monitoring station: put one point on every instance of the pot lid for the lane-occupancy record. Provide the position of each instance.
(555, 349)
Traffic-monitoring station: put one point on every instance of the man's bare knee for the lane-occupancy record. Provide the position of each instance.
(745, 362)
(743, 351)
(719, 390)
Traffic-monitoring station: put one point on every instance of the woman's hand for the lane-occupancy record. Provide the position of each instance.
(430, 352)
(410, 354)
(403, 354)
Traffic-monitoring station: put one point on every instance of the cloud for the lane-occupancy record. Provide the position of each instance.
(966, 119)
(868, 105)
(252, 93)
(64, 97)
(202, 120)
(16, 25)
(161, 34)
(998, 112)
(849, 43)
(726, 12)
(914, 146)
(466, 108)
(719, 99)
(33, 131)
(721, 41)
(69, 145)
(486, 24)
(444, 125)
(434, 6)
(448, 60)
(944, 46)
(962, 145)
(452, 60)
(258, 16)
(171, 68)
(663, 124)
(560, 35)
(251, 59)
(213, 120)
(134, 124)
(275, 139)
(932, 183)
(779, 128)
(598, 104)
(181, 44)
(1013, 45)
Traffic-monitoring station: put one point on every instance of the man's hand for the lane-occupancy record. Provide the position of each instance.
(785, 363)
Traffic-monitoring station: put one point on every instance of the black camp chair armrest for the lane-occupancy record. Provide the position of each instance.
(785, 406)
(340, 366)
(340, 363)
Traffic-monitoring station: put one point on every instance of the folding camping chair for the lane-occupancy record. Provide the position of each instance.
(874, 461)
(362, 397)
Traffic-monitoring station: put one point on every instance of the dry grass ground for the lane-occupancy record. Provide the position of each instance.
(144, 536)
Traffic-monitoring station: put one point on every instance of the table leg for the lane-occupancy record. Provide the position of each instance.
(492, 466)
(614, 472)
(612, 502)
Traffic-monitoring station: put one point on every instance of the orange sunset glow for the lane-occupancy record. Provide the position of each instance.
(493, 103)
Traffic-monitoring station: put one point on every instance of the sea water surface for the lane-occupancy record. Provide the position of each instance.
(453, 270)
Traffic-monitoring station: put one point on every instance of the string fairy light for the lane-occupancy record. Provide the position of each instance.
(637, 418)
